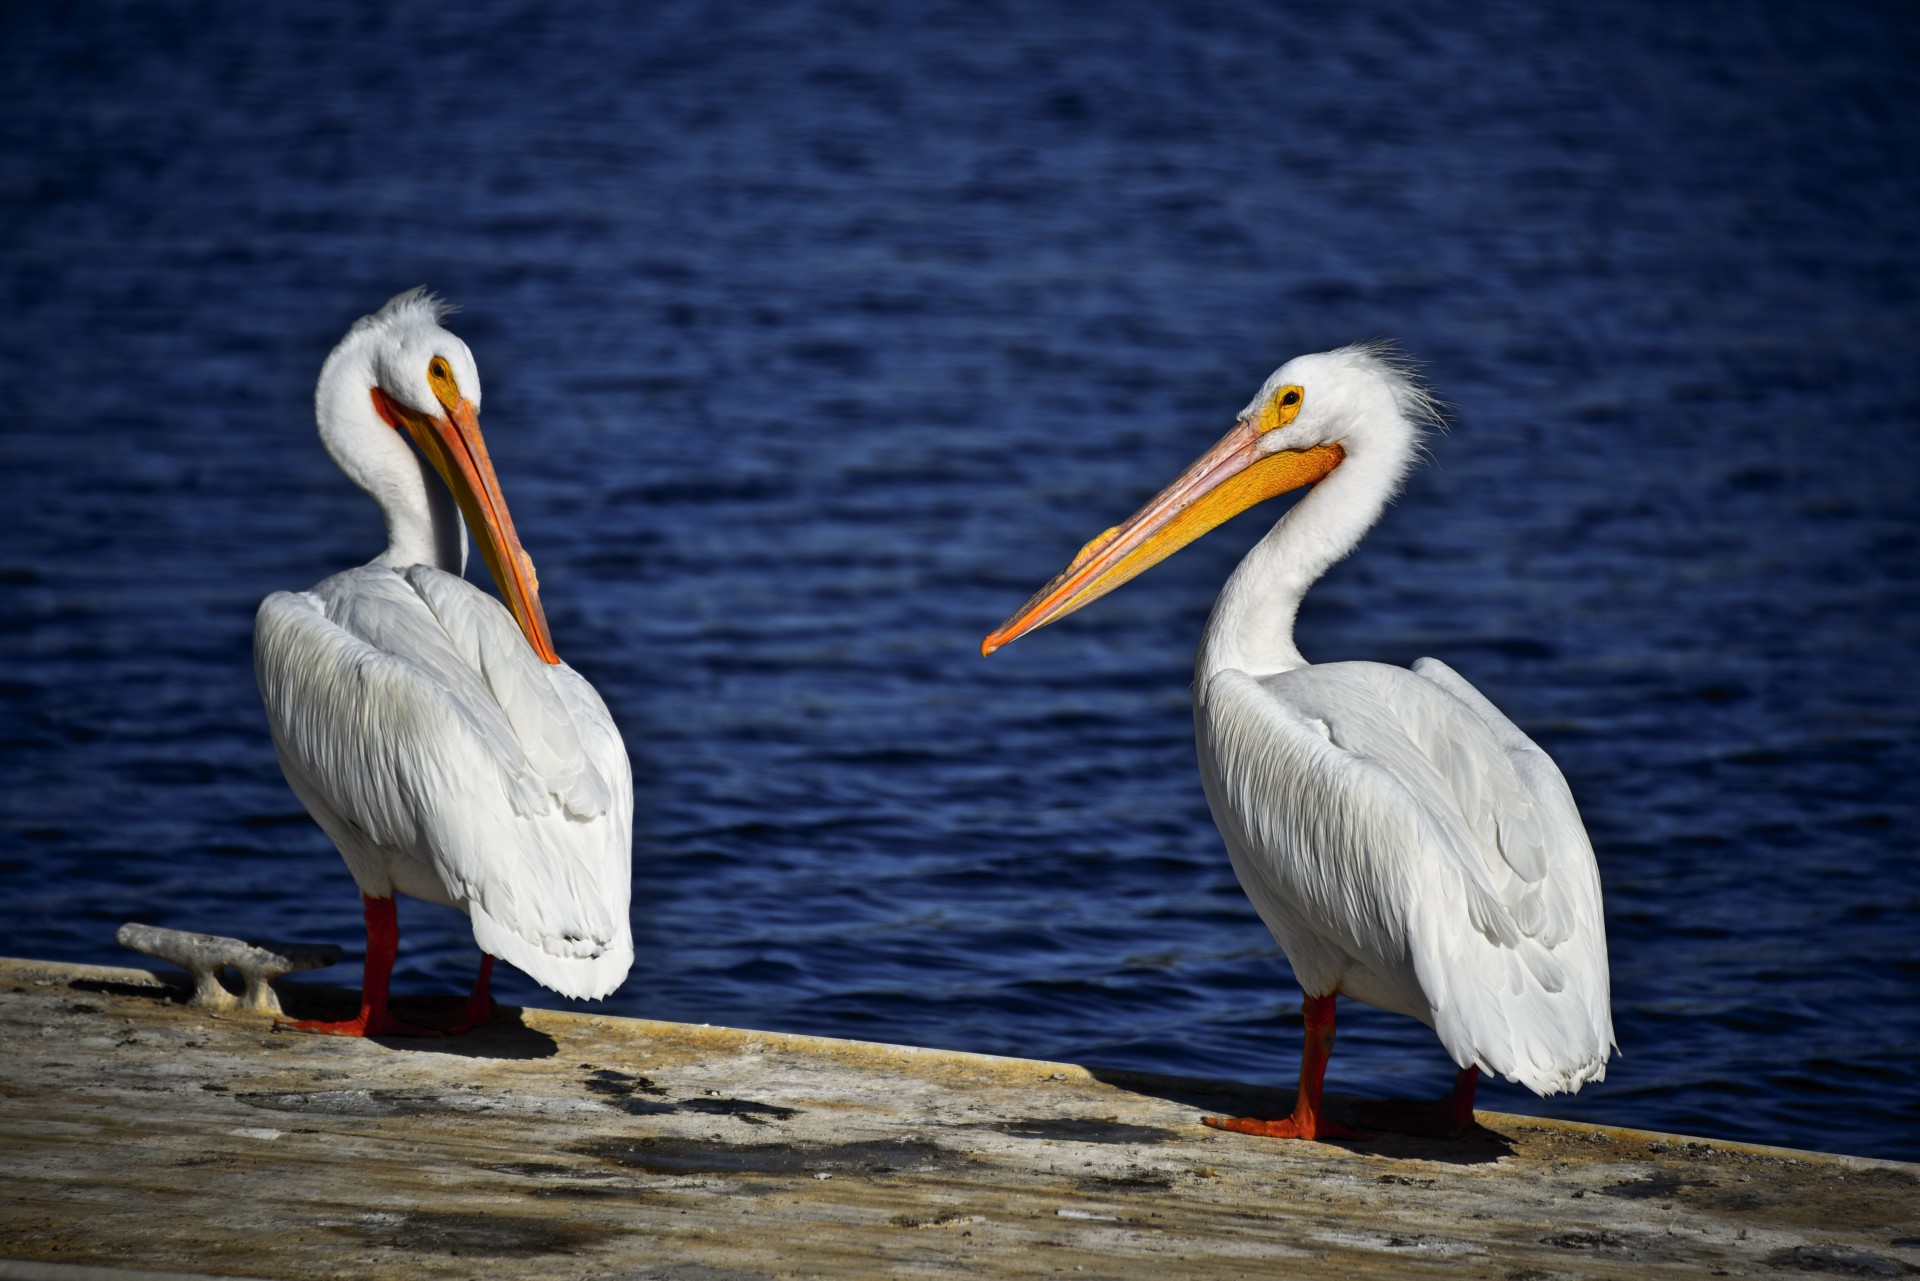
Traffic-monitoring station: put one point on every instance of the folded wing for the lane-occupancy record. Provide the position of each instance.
(431, 742)
(1401, 836)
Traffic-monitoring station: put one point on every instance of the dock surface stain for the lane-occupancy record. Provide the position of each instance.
(1075, 1129)
(483, 1235)
(366, 1103)
(681, 1156)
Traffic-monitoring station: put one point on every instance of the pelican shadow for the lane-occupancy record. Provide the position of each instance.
(507, 1036)
(1477, 1146)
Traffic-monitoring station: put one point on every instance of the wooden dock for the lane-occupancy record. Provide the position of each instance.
(138, 1133)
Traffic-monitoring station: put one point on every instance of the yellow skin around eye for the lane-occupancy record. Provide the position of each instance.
(1274, 415)
(440, 379)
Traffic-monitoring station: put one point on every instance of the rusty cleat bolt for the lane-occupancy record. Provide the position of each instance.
(204, 955)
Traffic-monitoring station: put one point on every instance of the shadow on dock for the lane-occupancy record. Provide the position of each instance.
(1478, 1146)
(506, 1037)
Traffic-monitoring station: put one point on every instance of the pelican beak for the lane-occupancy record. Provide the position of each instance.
(1220, 484)
(453, 444)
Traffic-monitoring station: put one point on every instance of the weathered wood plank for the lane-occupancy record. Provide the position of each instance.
(139, 1133)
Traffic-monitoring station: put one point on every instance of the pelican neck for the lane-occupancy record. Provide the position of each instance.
(1251, 626)
(422, 520)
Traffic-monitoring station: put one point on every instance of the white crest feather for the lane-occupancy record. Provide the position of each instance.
(1401, 372)
(418, 304)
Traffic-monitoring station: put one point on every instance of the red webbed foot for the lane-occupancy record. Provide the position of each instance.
(383, 941)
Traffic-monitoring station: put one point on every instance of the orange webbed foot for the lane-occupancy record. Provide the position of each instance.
(361, 1024)
(1309, 1127)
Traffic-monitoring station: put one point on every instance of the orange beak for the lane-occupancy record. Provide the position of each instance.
(1219, 485)
(454, 446)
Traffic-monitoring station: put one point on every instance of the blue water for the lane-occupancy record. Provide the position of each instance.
(816, 336)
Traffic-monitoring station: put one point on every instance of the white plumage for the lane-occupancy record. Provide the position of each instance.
(1407, 845)
(1410, 848)
(429, 730)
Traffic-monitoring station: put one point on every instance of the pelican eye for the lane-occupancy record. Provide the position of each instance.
(440, 378)
(1281, 409)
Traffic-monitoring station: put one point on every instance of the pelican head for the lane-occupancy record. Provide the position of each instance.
(399, 373)
(1310, 416)
(416, 363)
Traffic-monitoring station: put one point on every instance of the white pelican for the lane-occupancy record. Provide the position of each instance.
(1407, 845)
(436, 737)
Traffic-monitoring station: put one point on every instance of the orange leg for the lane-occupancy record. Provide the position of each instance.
(480, 1004)
(383, 943)
(1307, 1121)
(1443, 1118)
